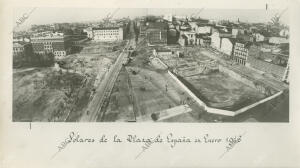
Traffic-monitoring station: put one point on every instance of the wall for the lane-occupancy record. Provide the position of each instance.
(259, 37)
(257, 103)
(201, 103)
(221, 111)
(215, 40)
(226, 46)
(204, 30)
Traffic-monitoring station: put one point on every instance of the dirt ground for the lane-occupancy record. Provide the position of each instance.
(62, 93)
(120, 107)
(216, 89)
(222, 91)
(143, 91)
(45, 94)
(145, 87)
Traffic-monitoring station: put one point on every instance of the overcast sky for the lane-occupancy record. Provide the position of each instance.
(58, 15)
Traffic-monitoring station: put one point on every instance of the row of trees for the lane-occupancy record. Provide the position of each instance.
(33, 60)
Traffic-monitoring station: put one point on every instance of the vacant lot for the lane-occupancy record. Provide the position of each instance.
(221, 91)
(62, 93)
(216, 89)
(45, 94)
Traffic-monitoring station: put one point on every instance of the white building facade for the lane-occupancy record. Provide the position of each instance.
(259, 37)
(215, 40)
(204, 29)
(108, 34)
(89, 32)
(226, 46)
(46, 42)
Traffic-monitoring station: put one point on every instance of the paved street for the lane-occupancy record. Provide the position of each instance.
(105, 87)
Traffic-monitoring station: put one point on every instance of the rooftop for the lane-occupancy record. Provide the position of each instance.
(105, 28)
(47, 34)
(157, 25)
(278, 40)
(162, 50)
(18, 45)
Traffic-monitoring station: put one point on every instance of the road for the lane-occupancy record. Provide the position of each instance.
(102, 94)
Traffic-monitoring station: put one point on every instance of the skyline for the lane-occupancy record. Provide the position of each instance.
(61, 15)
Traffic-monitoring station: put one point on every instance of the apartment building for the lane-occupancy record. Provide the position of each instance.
(18, 49)
(107, 33)
(21, 52)
(89, 32)
(157, 33)
(157, 36)
(227, 46)
(48, 42)
(241, 52)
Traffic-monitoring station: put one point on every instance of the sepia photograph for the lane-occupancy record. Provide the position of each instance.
(185, 65)
(155, 83)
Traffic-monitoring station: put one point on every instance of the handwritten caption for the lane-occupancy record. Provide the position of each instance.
(169, 139)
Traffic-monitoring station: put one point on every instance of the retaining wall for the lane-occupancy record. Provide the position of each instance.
(200, 102)
(257, 103)
(221, 111)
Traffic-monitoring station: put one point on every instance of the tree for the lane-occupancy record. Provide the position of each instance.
(68, 31)
(155, 116)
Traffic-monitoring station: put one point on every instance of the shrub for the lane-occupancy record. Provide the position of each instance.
(155, 116)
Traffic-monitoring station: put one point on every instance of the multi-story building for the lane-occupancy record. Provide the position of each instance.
(215, 40)
(241, 52)
(190, 36)
(222, 42)
(47, 42)
(18, 49)
(142, 30)
(157, 33)
(157, 36)
(61, 26)
(21, 52)
(259, 37)
(107, 33)
(236, 32)
(168, 17)
(227, 46)
(89, 32)
(204, 30)
(21, 39)
(205, 41)
(182, 40)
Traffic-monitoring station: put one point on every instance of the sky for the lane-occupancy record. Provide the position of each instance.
(58, 15)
